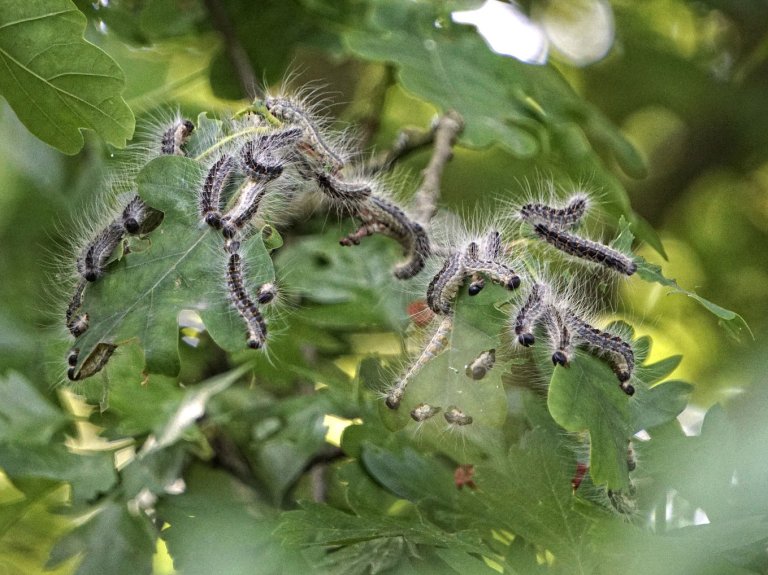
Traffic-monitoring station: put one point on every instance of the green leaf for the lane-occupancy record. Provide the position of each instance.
(585, 396)
(112, 540)
(214, 503)
(659, 404)
(56, 82)
(180, 266)
(25, 416)
(89, 474)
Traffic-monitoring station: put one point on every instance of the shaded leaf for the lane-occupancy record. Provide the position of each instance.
(56, 82)
(111, 541)
(25, 416)
(218, 526)
(89, 474)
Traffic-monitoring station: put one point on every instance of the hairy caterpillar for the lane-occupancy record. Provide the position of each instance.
(622, 358)
(380, 216)
(94, 257)
(445, 284)
(559, 336)
(92, 364)
(77, 325)
(498, 273)
(247, 205)
(317, 147)
(267, 293)
(481, 365)
(174, 138)
(490, 251)
(255, 325)
(134, 214)
(559, 218)
(529, 314)
(423, 411)
(456, 416)
(586, 249)
(437, 344)
(213, 185)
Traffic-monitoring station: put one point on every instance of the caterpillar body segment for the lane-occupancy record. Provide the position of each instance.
(94, 257)
(437, 344)
(256, 327)
(445, 284)
(559, 336)
(93, 364)
(174, 138)
(563, 218)
(213, 185)
(620, 355)
(586, 249)
(134, 215)
(529, 314)
(456, 416)
(381, 216)
(76, 324)
(316, 146)
(481, 365)
(424, 411)
(498, 272)
(247, 205)
(259, 163)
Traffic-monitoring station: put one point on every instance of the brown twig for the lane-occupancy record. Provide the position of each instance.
(233, 48)
(447, 129)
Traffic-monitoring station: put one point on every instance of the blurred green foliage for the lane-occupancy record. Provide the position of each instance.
(216, 468)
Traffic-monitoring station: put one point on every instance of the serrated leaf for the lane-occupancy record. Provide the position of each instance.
(181, 267)
(25, 415)
(585, 396)
(56, 82)
(112, 541)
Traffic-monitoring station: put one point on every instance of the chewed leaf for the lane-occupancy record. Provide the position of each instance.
(462, 383)
(651, 273)
(56, 82)
(182, 266)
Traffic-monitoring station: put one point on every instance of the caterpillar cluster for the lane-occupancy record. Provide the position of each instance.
(482, 257)
(277, 147)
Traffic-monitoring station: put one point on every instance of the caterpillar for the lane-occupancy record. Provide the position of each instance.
(266, 293)
(585, 249)
(213, 185)
(134, 214)
(529, 313)
(559, 336)
(339, 190)
(77, 325)
(380, 216)
(456, 416)
(247, 205)
(94, 257)
(559, 218)
(260, 163)
(174, 138)
(292, 112)
(92, 364)
(423, 411)
(621, 356)
(437, 344)
(444, 286)
(491, 251)
(498, 273)
(481, 365)
(256, 327)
